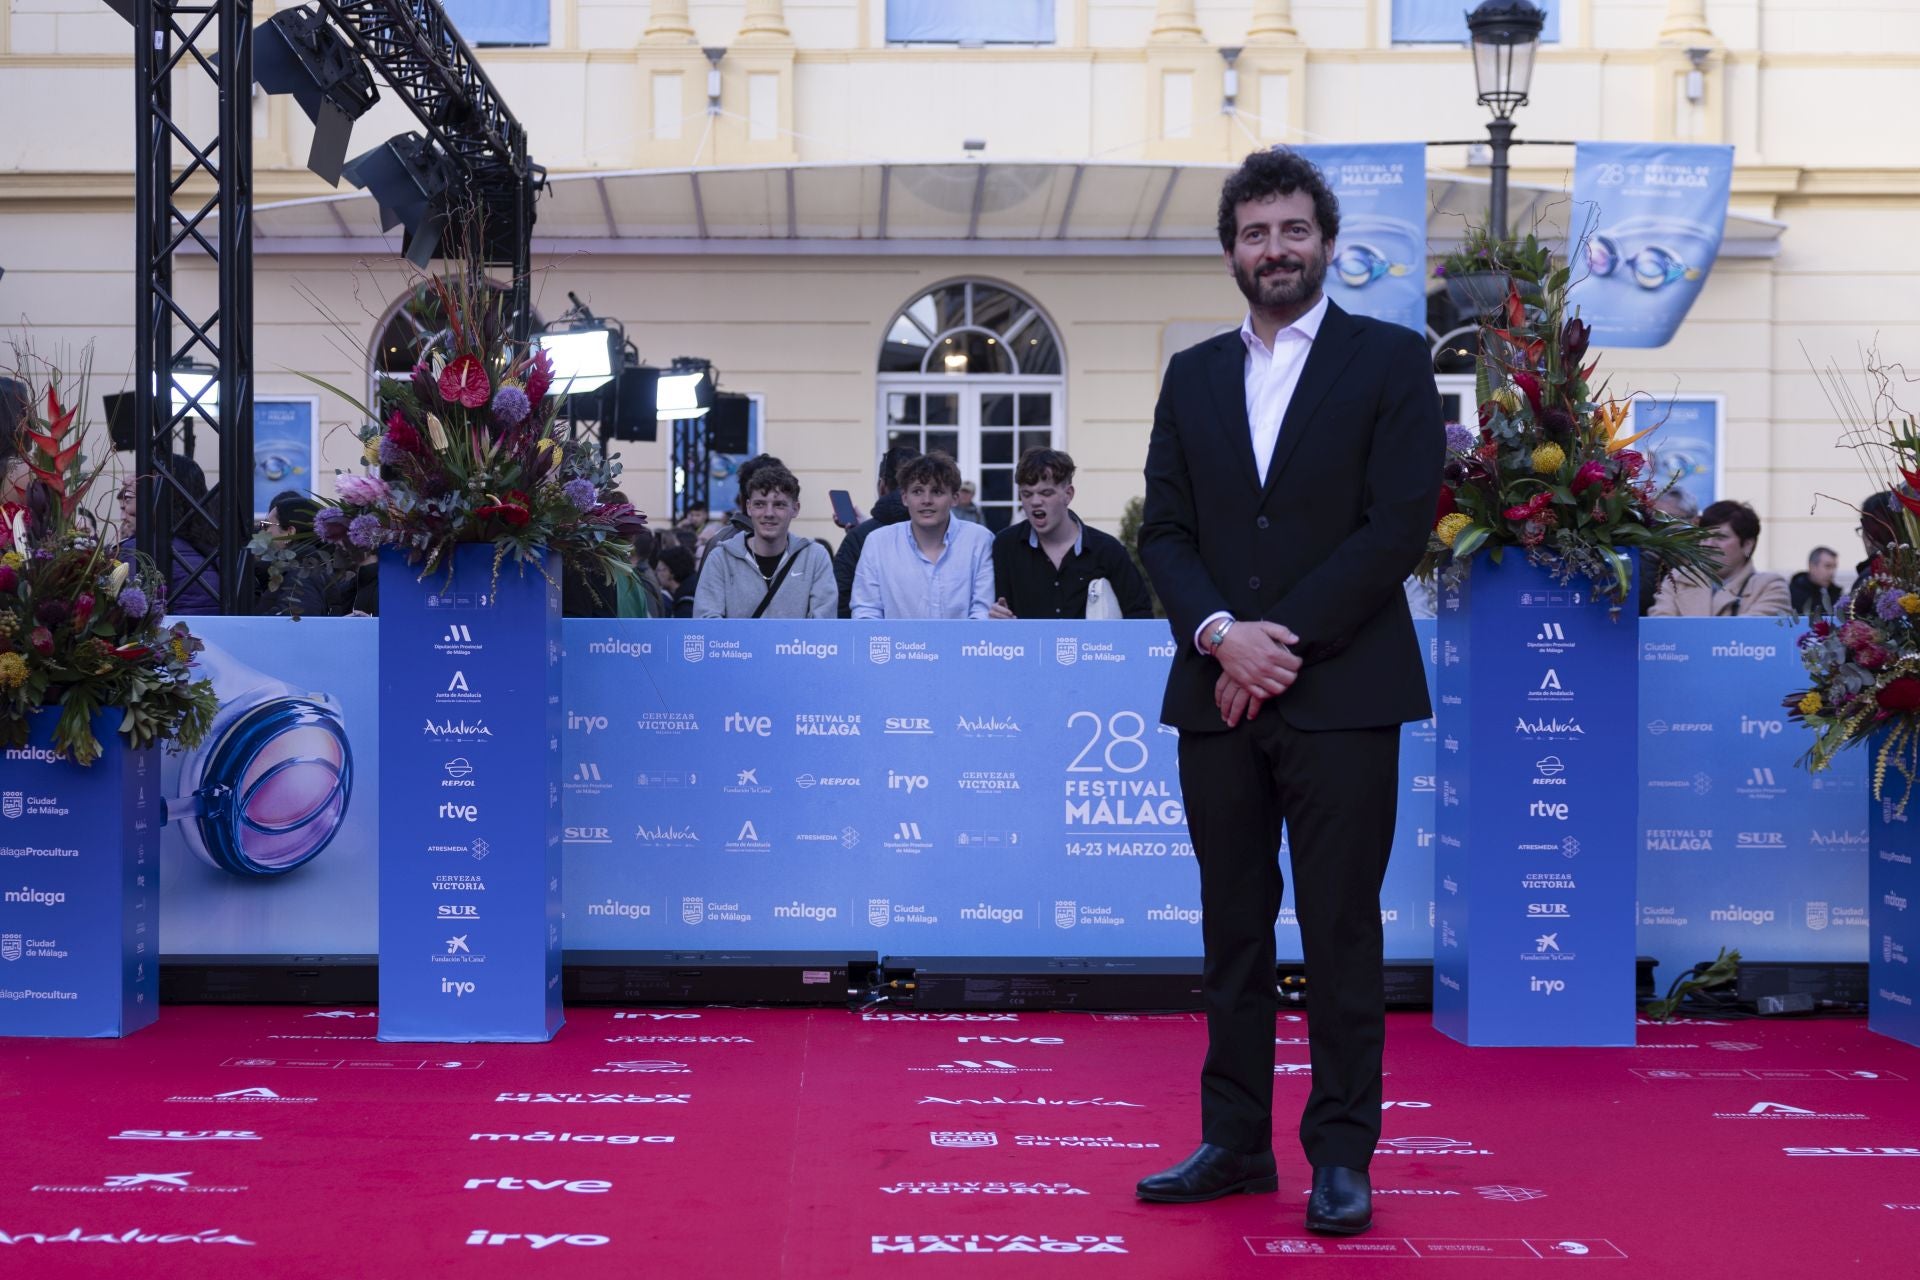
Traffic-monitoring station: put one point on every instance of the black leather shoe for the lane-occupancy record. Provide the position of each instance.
(1209, 1173)
(1342, 1202)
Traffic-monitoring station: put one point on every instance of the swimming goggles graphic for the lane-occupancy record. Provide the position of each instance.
(267, 788)
(1653, 265)
(1360, 260)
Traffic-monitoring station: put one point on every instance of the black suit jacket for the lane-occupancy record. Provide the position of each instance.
(1324, 546)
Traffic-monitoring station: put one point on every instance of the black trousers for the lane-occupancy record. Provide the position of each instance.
(1336, 793)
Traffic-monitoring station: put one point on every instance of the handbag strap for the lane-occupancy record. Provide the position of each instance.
(773, 583)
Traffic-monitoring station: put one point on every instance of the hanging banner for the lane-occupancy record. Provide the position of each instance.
(1687, 447)
(1656, 213)
(1380, 257)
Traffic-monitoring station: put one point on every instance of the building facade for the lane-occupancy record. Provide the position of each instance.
(983, 227)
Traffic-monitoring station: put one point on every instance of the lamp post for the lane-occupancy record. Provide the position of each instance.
(1505, 36)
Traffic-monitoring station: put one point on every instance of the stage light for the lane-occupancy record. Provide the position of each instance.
(408, 177)
(197, 386)
(687, 391)
(583, 359)
(299, 53)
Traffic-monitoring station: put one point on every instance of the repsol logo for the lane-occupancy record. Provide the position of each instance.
(1741, 649)
(1171, 913)
(37, 897)
(1731, 914)
(807, 649)
(988, 649)
(805, 911)
(999, 915)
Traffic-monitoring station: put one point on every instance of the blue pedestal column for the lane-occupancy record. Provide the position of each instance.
(1534, 867)
(469, 801)
(1893, 913)
(79, 872)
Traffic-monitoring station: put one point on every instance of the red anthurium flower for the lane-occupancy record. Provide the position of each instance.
(132, 652)
(464, 382)
(1447, 506)
(512, 509)
(1531, 507)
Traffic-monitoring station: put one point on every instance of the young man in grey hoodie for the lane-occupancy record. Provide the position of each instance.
(770, 573)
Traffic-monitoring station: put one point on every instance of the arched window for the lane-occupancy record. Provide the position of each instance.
(972, 368)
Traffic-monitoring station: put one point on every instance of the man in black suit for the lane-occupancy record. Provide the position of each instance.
(1291, 482)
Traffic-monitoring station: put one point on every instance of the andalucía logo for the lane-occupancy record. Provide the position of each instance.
(457, 730)
(212, 1235)
(999, 1244)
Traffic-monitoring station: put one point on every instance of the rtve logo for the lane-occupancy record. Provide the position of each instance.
(759, 726)
(1557, 810)
(907, 782)
(460, 812)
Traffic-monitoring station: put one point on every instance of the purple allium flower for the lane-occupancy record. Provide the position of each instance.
(1887, 605)
(391, 454)
(580, 492)
(365, 531)
(1459, 439)
(330, 525)
(1843, 607)
(133, 602)
(510, 405)
(52, 613)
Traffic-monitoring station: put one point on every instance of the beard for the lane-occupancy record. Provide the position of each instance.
(1267, 290)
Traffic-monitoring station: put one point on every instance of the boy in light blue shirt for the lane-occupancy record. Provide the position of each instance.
(931, 566)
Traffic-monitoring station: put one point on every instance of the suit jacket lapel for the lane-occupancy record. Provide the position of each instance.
(1227, 378)
(1333, 348)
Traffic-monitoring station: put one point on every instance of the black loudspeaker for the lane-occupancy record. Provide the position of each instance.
(119, 409)
(634, 404)
(727, 424)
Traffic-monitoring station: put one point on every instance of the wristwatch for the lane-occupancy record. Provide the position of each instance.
(1219, 633)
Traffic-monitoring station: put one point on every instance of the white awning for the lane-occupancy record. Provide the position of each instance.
(967, 208)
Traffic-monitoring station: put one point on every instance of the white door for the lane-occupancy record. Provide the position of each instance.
(984, 424)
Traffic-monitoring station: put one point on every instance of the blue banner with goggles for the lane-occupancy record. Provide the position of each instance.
(1657, 212)
(1379, 265)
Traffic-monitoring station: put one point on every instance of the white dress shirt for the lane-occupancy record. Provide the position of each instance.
(895, 579)
(1271, 375)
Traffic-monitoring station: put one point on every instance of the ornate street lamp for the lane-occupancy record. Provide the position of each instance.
(1506, 35)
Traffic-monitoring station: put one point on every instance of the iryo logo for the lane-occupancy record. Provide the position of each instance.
(1546, 986)
(1765, 728)
(456, 989)
(908, 782)
(586, 724)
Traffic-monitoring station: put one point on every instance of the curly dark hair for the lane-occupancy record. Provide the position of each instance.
(1276, 172)
(936, 470)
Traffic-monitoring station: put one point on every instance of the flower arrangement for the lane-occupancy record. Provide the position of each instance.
(1525, 260)
(1863, 664)
(80, 628)
(467, 452)
(1550, 469)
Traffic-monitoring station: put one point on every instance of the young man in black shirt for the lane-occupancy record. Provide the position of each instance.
(1043, 565)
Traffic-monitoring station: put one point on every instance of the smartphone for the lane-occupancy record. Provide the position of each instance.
(842, 506)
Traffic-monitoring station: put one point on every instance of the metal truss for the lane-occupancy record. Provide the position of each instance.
(207, 206)
(419, 55)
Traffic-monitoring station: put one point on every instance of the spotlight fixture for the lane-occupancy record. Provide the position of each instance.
(584, 359)
(686, 391)
(299, 53)
(408, 176)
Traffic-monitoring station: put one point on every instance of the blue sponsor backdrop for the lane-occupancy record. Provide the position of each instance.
(1893, 1002)
(78, 916)
(1380, 267)
(1534, 902)
(469, 834)
(1780, 872)
(1659, 211)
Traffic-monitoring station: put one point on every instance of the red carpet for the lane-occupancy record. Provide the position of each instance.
(722, 1142)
